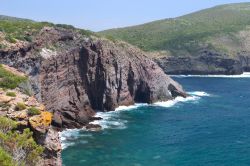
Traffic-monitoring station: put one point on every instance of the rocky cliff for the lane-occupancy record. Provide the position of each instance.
(207, 62)
(74, 76)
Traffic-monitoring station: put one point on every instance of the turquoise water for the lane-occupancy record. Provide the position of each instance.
(212, 128)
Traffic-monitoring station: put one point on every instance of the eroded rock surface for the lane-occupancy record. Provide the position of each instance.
(80, 75)
(75, 76)
(207, 62)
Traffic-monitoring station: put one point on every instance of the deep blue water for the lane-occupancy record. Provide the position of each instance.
(209, 130)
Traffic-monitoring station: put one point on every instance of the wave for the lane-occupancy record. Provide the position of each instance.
(199, 93)
(113, 120)
(68, 137)
(244, 75)
(171, 103)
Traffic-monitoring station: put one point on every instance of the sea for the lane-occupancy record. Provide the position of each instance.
(209, 128)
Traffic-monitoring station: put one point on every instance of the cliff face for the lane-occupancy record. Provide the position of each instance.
(75, 76)
(207, 62)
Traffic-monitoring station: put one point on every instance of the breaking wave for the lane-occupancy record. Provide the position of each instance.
(244, 75)
(113, 120)
(68, 137)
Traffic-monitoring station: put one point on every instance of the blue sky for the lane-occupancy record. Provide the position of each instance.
(98, 15)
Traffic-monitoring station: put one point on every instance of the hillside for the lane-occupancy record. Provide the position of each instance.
(223, 28)
(210, 41)
(18, 31)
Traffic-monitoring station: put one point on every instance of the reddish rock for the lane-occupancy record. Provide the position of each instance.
(85, 75)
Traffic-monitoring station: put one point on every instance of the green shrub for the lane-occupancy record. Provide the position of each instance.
(28, 38)
(22, 147)
(10, 39)
(11, 94)
(7, 124)
(2, 46)
(86, 32)
(9, 80)
(5, 158)
(4, 105)
(65, 26)
(26, 88)
(33, 111)
(20, 106)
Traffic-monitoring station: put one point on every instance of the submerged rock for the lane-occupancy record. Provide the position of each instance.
(93, 127)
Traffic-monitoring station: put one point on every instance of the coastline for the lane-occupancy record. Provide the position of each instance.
(243, 75)
(111, 119)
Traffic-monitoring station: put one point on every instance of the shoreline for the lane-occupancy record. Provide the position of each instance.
(111, 119)
(243, 75)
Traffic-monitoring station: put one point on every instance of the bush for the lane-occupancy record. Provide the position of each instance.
(5, 158)
(33, 111)
(20, 106)
(7, 124)
(9, 80)
(4, 105)
(22, 147)
(26, 88)
(11, 94)
(28, 38)
(87, 33)
(10, 39)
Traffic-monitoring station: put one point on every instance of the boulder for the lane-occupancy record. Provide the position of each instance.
(93, 127)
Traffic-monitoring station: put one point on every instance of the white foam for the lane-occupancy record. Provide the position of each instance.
(112, 120)
(244, 75)
(69, 136)
(199, 93)
(127, 108)
(171, 103)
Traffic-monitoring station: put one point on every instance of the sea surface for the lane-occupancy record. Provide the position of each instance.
(210, 128)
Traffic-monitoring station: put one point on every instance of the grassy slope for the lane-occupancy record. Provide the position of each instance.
(187, 34)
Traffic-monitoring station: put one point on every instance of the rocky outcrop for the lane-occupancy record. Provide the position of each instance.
(43, 133)
(207, 62)
(75, 76)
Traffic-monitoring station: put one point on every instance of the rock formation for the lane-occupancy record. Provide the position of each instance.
(75, 76)
(207, 62)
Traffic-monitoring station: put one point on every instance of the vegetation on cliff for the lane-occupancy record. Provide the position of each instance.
(19, 114)
(223, 28)
(17, 148)
(14, 30)
(8, 80)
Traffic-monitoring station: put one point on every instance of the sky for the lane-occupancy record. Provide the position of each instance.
(97, 15)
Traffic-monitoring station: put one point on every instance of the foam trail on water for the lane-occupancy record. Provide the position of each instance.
(113, 120)
(69, 136)
(244, 75)
(199, 93)
(171, 103)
